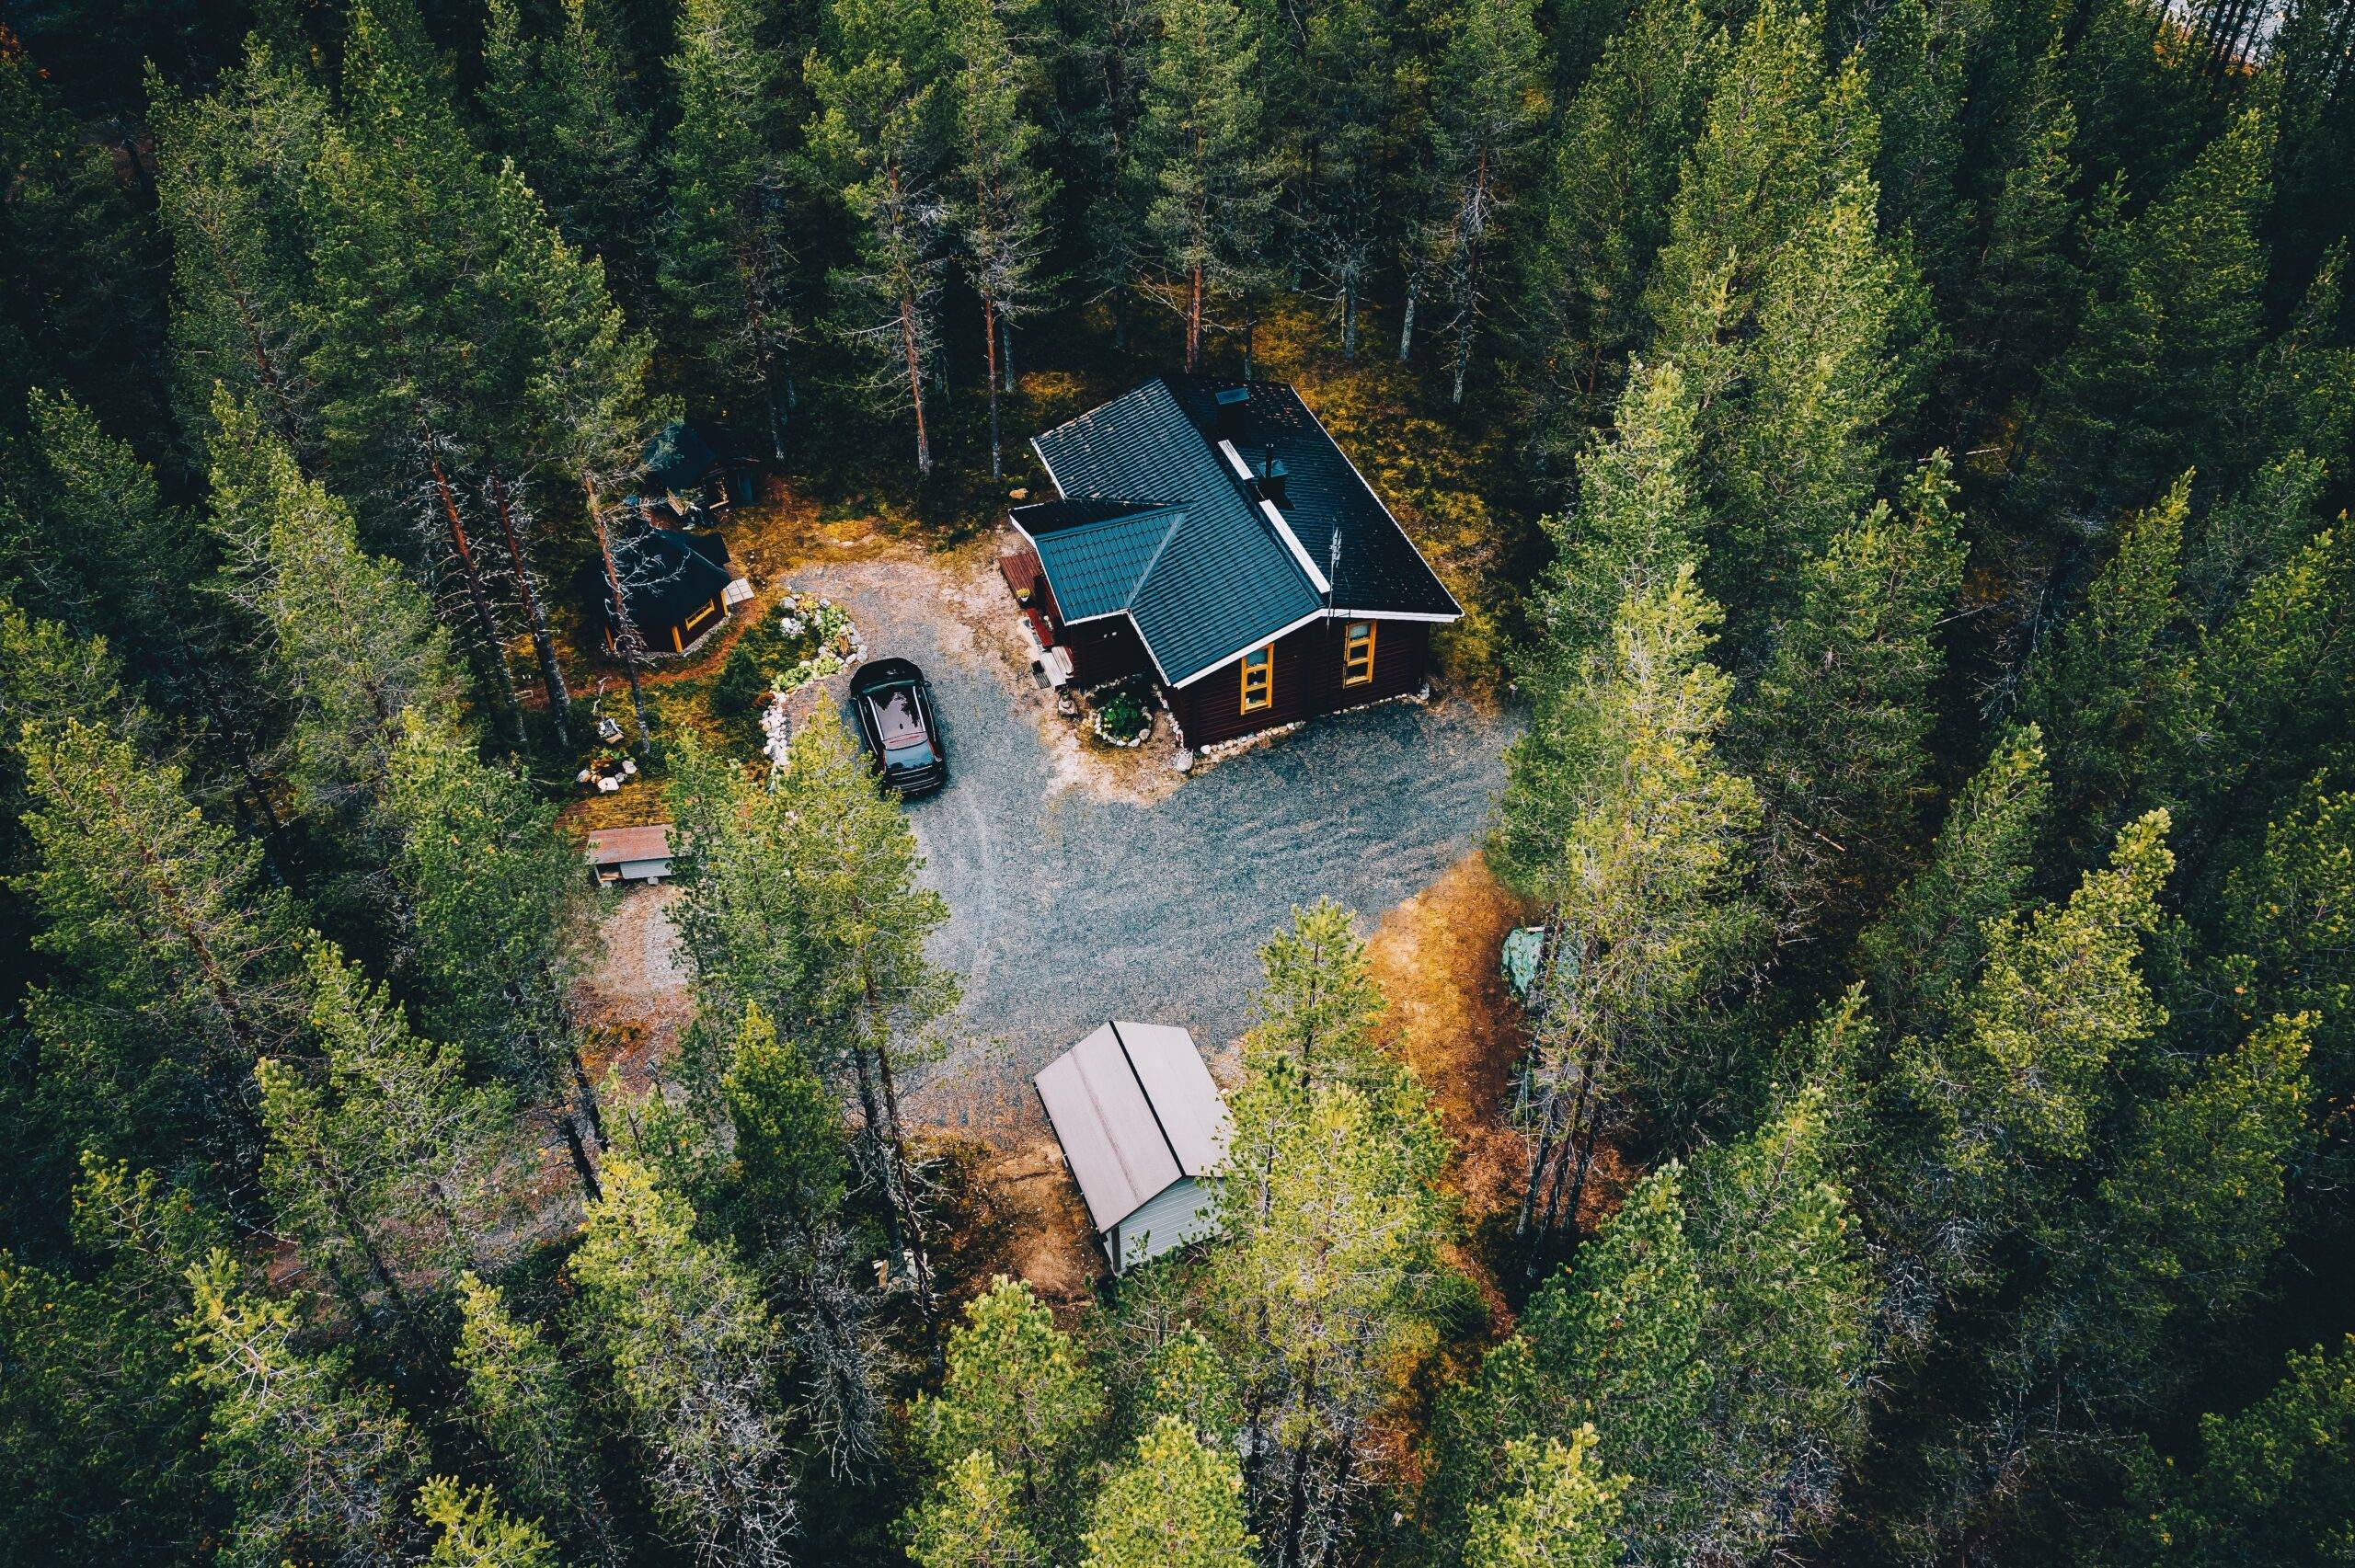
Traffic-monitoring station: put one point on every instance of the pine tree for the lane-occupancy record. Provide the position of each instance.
(384, 1164)
(1108, 57)
(101, 1438)
(396, 191)
(1641, 889)
(314, 1465)
(501, 918)
(559, 108)
(1487, 99)
(804, 899)
(972, 1519)
(174, 958)
(2272, 1484)
(1017, 1393)
(233, 171)
(1318, 1005)
(879, 133)
(1201, 159)
(1827, 370)
(1914, 62)
(2110, 683)
(354, 647)
(564, 401)
(83, 311)
(94, 543)
(475, 1533)
(1329, 1200)
(726, 247)
(692, 1351)
(1783, 136)
(1000, 211)
(1793, 1301)
(1636, 520)
(2187, 1227)
(2268, 694)
(2288, 917)
(1835, 732)
(1982, 1122)
(1607, 199)
(2027, 277)
(2174, 319)
(1614, 1346)
(1176, 1505)
(522, 1402)
(1342, 87)
(1558, 1514)
(1926, 943)
(1714, 1336)
(793, 1169)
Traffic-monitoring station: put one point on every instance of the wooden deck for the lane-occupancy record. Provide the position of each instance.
(1023, 576)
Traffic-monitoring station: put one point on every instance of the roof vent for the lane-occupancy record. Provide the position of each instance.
(1271, 477)
(1232, 403)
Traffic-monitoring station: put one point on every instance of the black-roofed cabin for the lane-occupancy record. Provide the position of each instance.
(678, 585)
(1212, 536)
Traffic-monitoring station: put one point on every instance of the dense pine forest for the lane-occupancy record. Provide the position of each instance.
(1893, 457)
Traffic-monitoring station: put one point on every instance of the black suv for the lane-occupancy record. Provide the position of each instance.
(901, 729)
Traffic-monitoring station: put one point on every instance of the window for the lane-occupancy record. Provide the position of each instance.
(1258, 679)
(1357, 654)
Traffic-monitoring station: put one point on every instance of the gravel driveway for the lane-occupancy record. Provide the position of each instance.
(1071, 903)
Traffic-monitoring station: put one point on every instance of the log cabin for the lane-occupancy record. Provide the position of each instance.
(1211, 536)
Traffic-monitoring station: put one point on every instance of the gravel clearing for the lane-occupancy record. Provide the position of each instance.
(1080, 886)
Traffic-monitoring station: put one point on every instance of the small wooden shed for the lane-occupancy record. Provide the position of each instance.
(1141, 1127)
(630, 854)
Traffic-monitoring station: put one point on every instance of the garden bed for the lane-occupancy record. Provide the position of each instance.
(1121, 716)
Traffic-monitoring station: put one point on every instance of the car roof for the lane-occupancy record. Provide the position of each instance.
(884, 672)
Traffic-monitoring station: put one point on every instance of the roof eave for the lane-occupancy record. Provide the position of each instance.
(1224, 659)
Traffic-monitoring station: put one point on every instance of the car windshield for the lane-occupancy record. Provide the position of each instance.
(899, 723)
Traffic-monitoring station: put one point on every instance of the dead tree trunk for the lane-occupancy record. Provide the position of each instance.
(536, 613)
(478, 596)
(627, 642)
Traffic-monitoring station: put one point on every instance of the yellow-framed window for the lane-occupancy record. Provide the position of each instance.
(1259, 678)
(1357, 654)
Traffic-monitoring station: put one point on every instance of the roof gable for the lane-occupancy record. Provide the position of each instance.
(1096, 566)
(1226, 582)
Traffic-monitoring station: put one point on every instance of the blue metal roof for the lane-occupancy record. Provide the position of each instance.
(1094, 568)
(1325, 498)
(1225, 582)
(1154, 521)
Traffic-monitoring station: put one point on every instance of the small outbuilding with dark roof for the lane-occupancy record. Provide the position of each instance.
(695, 471)
(1142, 1128)
(677, 585)
(1212, 536)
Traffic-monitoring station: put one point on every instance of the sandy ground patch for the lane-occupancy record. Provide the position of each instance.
(1452, 1017)
(638, 1002)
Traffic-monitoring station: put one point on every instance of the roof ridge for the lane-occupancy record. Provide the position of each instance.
(1151, 1109)
(1137, 588)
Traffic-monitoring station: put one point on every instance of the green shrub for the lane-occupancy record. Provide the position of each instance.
(744, 683)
